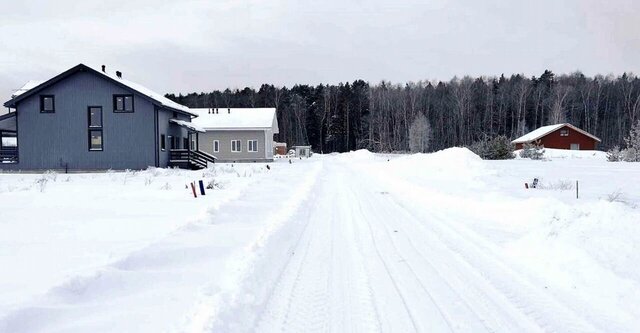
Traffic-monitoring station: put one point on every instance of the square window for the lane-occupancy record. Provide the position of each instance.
(564, 132)
(47, 104)
(122, 103)
(95, 140)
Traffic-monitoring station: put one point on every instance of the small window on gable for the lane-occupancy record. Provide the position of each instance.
(564, 132)
(122, 103)
(47, 104)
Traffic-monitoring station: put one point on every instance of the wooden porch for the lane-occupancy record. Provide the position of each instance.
(190, 159)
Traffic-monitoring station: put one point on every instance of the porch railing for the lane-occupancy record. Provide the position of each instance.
(195, 158)
(8, 156)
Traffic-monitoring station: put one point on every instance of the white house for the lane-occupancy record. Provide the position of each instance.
(236, 134)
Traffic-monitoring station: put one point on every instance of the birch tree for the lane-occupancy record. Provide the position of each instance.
(419, 134)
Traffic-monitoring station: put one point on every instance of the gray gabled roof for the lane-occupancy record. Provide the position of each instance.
(135, 87)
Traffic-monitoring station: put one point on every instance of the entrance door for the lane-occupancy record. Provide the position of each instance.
(575, 146)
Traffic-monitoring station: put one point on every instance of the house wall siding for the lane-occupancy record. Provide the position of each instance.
(554, 140)
(53, 140)
(205, 143)
(169, 129)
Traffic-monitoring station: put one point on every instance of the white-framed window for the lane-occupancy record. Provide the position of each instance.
(252, 145)
(216, 146)
(236, 146)
(564, 132)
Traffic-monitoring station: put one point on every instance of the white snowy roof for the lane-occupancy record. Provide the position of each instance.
(159, 98)
(544, 130)
(146, 91)
(187, 124)
(26, 87)
(236, 118)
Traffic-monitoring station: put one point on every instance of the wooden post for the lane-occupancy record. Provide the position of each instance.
(577, 191)
(193, 189)
(201, 187)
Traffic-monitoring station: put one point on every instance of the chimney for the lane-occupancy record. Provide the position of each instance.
(104, 69)
(119, 74)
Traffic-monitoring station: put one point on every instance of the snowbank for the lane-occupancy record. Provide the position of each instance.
(446, 169)
(56, 227)
(361, 155)
(550, 153)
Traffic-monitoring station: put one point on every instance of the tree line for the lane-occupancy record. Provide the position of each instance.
(355, 115)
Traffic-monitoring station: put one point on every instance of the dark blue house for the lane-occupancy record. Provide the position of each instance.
(88, 119)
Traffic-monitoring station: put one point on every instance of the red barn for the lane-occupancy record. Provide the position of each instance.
(559, 136)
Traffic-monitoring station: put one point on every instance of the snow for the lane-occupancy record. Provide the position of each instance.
(236, 118)
(554, 154)
(342, 242)
(26, 87)
(9, 142)
(544, 130)
(146, 91)
(538, 133)
(187, 124)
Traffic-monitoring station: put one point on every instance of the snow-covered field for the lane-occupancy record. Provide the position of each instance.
(347, 242)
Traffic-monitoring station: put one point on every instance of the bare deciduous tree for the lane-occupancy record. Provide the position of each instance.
(419, 134)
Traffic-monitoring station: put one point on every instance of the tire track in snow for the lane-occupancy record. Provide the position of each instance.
(374, 209)
(542, 308)
(320, 290)
(437, 281)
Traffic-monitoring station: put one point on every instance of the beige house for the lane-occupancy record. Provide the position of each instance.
(236, 134)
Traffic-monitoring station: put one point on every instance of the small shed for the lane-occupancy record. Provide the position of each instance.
(559, 136)
(302, 151)
(280, 148)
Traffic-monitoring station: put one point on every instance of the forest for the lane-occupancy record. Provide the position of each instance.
(355, 115)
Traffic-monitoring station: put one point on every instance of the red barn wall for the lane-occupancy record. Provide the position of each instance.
(554, 140)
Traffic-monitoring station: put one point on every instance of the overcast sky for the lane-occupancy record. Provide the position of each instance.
(187, 46)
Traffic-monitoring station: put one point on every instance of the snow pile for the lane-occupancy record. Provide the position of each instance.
(361, 155)
(449, 167)
(550, 153)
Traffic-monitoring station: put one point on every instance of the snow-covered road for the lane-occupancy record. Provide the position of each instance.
(367, 263)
